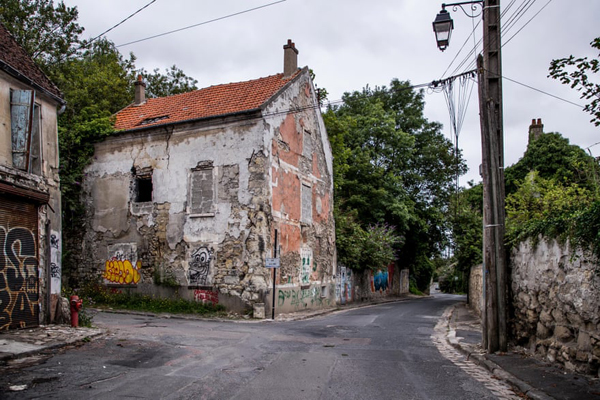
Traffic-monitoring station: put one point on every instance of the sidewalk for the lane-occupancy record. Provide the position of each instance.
(529, 375)
(22, 343)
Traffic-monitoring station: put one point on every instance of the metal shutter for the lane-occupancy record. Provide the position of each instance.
(19, 277)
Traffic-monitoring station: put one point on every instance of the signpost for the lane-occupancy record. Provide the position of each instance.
(273, 263)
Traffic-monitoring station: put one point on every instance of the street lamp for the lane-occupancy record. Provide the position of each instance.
(442, 26)
(489, 70)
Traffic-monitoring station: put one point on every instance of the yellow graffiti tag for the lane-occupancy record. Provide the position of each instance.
(122, 272)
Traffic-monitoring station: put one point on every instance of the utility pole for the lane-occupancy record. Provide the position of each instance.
(489, 70)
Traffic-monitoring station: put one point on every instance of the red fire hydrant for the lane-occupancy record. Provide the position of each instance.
(76, 304)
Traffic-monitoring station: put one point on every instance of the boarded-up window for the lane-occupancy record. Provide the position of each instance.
(24, 126)
(307, 145)
(306, 204)
(202, 190)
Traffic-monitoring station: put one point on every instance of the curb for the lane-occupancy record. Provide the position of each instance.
(287, 317)
(483, 361)
(28, 353)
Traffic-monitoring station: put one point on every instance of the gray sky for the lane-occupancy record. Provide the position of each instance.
(352, 43)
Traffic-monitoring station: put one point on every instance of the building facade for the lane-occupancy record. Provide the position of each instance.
(196, 191)
(30, 203)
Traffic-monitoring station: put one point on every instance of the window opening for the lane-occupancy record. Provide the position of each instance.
(143, 189)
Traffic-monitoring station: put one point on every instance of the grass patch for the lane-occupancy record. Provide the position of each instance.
(97, 295)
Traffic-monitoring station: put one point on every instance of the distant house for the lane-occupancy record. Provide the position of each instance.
(30, 213)
(196, 191)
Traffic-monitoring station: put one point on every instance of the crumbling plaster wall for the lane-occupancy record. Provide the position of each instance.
(259, 165)
(230, 240)
(49, 216)
(301, 182)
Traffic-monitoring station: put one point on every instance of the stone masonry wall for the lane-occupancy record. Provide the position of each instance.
(556, 299)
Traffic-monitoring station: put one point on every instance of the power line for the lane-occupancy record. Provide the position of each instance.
(510, 23)
(527, 23)
(110, 29)
(201, 23)
(543, 92)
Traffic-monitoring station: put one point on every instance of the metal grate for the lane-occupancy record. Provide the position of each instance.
(19, 278)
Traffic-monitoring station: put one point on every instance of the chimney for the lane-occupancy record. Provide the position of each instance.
(536, 129)
(140, 91)
(290, 59)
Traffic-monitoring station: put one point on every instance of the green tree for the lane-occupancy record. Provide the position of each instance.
(96, 80)
(467, 221)
(392, 166)
(553, 157)
(173, 81)
(577, 73)
(96, 85)
(47, 32)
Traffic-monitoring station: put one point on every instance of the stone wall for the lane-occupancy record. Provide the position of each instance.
(556, 299)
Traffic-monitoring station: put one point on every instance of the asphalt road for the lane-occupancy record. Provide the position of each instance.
(379, 352)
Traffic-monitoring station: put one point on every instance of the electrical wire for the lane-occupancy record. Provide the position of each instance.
(541, 91)
(201, 23)
(129, 17)
(473, 51)
(527, 23)
(505, 28)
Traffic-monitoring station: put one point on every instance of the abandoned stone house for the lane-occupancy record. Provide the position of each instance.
(30, 208)
(195, 191)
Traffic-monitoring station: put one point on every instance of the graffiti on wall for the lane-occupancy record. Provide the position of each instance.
(379, 281)
(344, 285)
(55, 266)
(122, 267)
(199, 266)
(19, 291)
(206, 296)
(302, 298)
(306, 267)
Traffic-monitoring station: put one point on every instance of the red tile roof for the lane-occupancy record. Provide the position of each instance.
(203, 103)
(15, 61)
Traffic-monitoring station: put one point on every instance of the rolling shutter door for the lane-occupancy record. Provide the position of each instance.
(19, 277)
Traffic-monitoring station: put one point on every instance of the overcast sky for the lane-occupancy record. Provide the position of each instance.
(352, 43)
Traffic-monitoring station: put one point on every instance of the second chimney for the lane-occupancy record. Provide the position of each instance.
(290, 59)
(140, 91)
(536, 129)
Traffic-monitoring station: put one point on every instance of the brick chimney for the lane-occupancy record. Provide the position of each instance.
(290, 59)
(536, 129)
(140, 91)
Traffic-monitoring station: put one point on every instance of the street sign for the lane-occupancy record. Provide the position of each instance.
(272, 263)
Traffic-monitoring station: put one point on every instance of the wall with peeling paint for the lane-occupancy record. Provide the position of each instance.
(18, 185)
(222, 190)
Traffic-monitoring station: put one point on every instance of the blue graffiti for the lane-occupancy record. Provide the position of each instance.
(380, 280)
